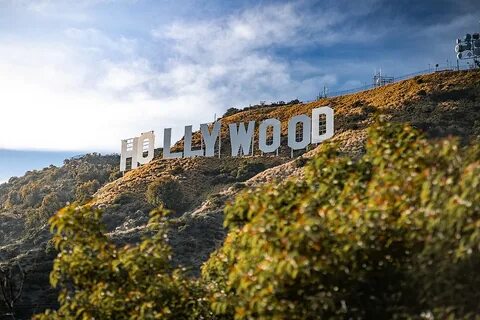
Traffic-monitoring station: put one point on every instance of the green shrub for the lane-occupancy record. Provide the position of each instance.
(300, 162)
(177, 169)
(126, 198)
(165, 192)
(85, 191)
(98, 280)
(31, 195)
(51, 204)
(114, 175)
(13, 198)
(249, 169)
(230, 111)
(395, 234)
(216, 199)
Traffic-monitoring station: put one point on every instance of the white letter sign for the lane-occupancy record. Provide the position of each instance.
(262, 135)
(167, 141)
(139, 149)
(316, 136)
(187, 144)
(210, 138)
(292, 132)
(318, 128)
(241, 138)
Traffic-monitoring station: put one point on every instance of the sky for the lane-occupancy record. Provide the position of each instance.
(78, 76)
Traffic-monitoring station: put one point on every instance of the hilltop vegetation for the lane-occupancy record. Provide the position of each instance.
(40, 193)
(392, 235)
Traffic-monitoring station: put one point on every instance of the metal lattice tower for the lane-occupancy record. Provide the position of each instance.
(468, 48)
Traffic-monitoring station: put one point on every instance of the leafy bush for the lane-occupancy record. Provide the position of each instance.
(216, 199)
(422, 92)
(13, 198)
(239, 172)
(114, 175)
(249, 169)
(51, 203)
(31, 195)
(99, 280)
(393, 235)
(230, 111)
(85, 191)
(165, 192)
(178, 169)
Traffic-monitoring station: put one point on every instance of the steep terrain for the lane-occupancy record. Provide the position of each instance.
(25, 205)
(441, 104)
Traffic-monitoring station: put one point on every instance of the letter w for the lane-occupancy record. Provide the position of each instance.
(241, 137)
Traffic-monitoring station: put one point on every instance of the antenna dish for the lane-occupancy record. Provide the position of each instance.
(458, 41)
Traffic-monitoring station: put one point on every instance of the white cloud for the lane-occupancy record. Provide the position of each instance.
(88, 90)
(54, 97)
(232, 37)
(287, 25)
(233, 55)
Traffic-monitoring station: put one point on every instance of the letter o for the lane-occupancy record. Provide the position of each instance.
(262, 135)
(292, 132)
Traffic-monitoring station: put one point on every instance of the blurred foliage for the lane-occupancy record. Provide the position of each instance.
(166, 192)
(40, 193)
(393, 235)
(99, 280)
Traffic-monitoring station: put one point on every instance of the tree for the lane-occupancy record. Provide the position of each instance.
(11, 286)
(231, 111)
(165, 192)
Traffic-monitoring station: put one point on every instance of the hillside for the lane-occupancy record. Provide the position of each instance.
(441, 104)
(438, 103)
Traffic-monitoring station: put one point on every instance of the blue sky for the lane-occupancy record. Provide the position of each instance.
(16, 163)
(83, 74)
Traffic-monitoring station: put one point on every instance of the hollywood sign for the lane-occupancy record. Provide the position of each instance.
(315, 129)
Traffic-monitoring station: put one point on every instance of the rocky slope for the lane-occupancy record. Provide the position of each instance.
(441, 104)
